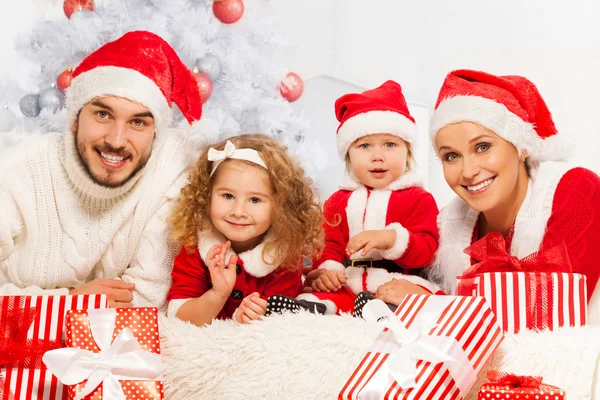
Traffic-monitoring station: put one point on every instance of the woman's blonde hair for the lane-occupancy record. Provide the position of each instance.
(296, 223)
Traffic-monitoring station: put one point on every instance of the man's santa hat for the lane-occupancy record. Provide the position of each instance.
(379, 110)
(510, 106)
(142, 67)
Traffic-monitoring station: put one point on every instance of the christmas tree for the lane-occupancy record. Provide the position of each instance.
(231, 47)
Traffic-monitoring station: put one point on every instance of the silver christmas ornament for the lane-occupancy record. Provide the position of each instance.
(30, 105)
(52, 98)
(210, 65)
(7, 119)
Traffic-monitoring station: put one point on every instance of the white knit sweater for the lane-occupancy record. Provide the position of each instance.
(58, 229)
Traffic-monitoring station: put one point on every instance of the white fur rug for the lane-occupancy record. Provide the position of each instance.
(304, 356)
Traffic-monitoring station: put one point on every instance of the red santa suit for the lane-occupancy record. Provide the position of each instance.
(562, 203)
(191, 277)
(402, 206)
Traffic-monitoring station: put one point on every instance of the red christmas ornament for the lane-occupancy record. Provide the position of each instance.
(71, 6)
(228, 11)
(204, 84)
(291, 87)
(64, 79)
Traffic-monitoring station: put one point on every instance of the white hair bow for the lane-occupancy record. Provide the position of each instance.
(218, 156)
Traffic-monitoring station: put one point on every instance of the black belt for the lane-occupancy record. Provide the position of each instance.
(388, 265)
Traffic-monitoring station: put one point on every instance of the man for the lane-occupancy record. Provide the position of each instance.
(85, 212)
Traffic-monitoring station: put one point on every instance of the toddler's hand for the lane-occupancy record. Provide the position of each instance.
(329, 281)
(252, 308)
(222, 275)
(369, 240)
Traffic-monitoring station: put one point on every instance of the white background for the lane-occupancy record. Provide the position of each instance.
(364, 42)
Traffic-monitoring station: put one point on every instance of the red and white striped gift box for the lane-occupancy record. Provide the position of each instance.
(467, 320)
(531, 300)
(47, 315)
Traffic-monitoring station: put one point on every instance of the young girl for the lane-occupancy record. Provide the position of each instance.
(382, 224)
(246, 218)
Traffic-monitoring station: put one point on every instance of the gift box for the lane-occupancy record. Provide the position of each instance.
(110, 354)
(538, 292)
(431, 348)
(30, 326)
(514, 387)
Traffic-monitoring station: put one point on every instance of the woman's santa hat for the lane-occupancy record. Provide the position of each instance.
(142, 67)
(379, 110)
(510, 106)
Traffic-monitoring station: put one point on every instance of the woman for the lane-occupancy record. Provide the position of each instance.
(502, 156)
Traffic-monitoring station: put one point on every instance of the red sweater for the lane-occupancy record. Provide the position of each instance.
(575, 219)
(191, 279)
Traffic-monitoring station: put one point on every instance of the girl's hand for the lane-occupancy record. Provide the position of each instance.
(394, 291)
(329, 281)
(222, 275)
(252, 308)
(369, 240)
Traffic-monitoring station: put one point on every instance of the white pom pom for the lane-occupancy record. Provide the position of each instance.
(203, 133)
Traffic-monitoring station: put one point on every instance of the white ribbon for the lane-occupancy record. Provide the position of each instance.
(218, 156)
(123, 359)
(417, 344)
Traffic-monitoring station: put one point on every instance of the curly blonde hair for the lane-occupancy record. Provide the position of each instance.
(296, 222)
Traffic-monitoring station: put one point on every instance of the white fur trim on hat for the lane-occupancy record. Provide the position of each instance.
(401, 243)
(373, 122)
(497, 118)
(120, 82)
(203, 133)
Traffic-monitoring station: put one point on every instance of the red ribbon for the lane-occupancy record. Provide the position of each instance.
(16, 350)
(514, 381)
(491, 256)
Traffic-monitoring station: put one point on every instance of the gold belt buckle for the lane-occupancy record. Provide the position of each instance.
(363, 263)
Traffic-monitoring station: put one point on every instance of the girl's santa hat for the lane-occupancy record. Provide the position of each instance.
(142, 67)
(510, 106)
(379, 110)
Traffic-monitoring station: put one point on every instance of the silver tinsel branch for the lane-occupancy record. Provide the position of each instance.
(245, 96)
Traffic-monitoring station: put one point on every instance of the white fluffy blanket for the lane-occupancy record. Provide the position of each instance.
(304, 356)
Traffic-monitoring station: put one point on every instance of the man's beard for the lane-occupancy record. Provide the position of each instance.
(105, 181)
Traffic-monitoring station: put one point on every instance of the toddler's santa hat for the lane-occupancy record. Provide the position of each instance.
(379, 110)
(142, 67)
(510, 106)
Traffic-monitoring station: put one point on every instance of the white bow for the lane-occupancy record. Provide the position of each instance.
(123, 359)
(218, 156)
(417, 344)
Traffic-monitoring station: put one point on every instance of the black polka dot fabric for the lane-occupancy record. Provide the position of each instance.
(362, 299)
(278, 304)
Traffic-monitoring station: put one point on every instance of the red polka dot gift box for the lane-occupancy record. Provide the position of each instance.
(506, 386)
(30, 326)
(110, 354)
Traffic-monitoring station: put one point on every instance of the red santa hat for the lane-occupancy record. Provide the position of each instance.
(510, 106)
(142, 67)
(379, 110)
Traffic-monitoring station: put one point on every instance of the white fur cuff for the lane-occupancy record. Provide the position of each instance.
(401, 244)
(174, 306)
(329, 305)
(332, 265)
